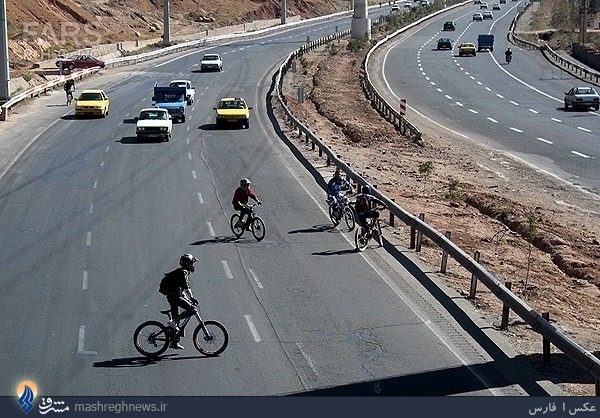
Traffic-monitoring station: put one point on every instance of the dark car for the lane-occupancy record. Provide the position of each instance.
(444, 43)
(449, 26)
(79, 61)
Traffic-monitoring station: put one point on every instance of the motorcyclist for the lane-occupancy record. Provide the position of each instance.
(508, 55)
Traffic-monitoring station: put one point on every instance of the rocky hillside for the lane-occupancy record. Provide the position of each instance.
(38, 26)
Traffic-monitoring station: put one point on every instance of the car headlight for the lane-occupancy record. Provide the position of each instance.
(163, 129)
(141, 128)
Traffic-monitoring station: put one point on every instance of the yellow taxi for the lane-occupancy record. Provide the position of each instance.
(92, 103)
(232, 111)
(467, 48)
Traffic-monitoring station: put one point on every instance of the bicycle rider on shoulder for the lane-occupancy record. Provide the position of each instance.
(179, 293)
(240, 200)
(69, 89)
(336, 185)
(365, 206)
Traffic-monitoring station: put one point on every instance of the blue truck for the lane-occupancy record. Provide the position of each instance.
(173, 99)
(485, 42)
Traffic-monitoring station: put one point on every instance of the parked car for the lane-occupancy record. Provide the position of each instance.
(467, 48)
(582, 97)
(444, 43)
(477, 16)
(211, 62)
(233, 111)
(92, 103)
(79, 61)
(488, 15)
(449, 25)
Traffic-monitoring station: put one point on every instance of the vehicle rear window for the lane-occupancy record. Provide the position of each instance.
(90, 96)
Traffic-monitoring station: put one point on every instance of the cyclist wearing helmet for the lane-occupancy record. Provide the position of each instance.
(176, 287)
(336, 185)
(240, 198)
(364, 206)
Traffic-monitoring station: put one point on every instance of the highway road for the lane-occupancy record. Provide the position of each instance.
(91, 219)
(516, 108)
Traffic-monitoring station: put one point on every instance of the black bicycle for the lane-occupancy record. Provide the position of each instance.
(152, 338)
(372, 229)
(69, 97)
(341, 208)
(253, 223)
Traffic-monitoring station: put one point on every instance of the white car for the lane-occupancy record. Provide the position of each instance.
(212, 62)
(154, 122)
(477, 16)
(395, 8)
(190, 93)
(496, 6)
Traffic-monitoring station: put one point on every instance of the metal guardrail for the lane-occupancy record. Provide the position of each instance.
(43, 88)
(572, 67)
(135, 59)
(575, 352)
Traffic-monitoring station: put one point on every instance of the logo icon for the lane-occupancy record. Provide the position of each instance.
(26, 392)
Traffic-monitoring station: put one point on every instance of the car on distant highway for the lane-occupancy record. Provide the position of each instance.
(154, 122)
(582, 97)
(232, 111)
(449, 25)
(395, 8)
(467, 48)
(496, 6)
(488, 14)
(483, 5)
(444, 43)
(92, 103)
(212, 62)
(79, 61)
(477, 16)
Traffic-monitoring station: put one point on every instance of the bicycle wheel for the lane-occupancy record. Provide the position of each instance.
(258, 228)
(236, 227)
(379, 236)
(151, 339)
(214, 341)
(349, 218)
(332, 215)
(361, 238)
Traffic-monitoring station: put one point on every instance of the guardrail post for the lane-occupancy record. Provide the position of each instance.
(473, 288)
(445, 255)
(545, 342)
(320, 152)
(419, 240)
(312, 147)
(392, 215)
(505, 309)
(328, 161)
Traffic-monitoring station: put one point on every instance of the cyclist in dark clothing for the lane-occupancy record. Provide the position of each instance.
(176, 287)
(364, 206)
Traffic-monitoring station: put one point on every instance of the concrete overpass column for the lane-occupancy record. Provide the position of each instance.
(361, 24)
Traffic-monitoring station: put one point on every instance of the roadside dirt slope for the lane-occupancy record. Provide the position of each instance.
(493, 207)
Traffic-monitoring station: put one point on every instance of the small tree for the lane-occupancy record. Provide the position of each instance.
(426, 169)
